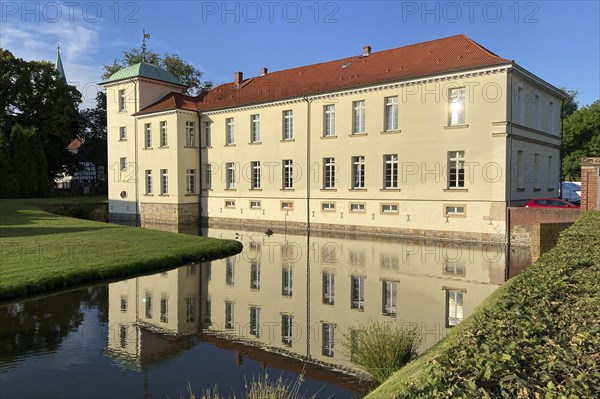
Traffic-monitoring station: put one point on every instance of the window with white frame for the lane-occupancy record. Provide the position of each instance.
(164, 182)
(164, 308)
(255, 275)
(288, 125)
(148, 181)
(357, 292)
(229, 272)
(536, 171)
(122, 133)
(287, 205)
(230, 176)
(358, 207)
(391, 113)
(389, 208)
(391, 171)
(190, 309)
(328, 173)
(359, 117)
(229, 138)
(229, 315)
(122, 102)
(390, 297)
(190, 134)
(164, 139)
(537, 112)
(255, 204)
(190, 177)
(456, 106)
(455, 210)
(286, 279)
(208, 176)
(358, 172)
(551, 117)
(255, 175)
(456, 169)
(519, 171)
(123, 335)
(327, 339)
(286, 329)
(328, 206)
(124, 303)
(521, 106)
(255, 128)
(207, 134)
(255, 321)
(328, 289)
(288, 174)
(148, 305)
(123, 163)
(147, 135)
(454, 307)
(329, 120)
(549, 183)
(229, 203)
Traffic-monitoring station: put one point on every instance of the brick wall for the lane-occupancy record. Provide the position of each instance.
(545, 237)
(589, 183)
(525, 221)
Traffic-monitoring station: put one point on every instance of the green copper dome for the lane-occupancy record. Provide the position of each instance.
(144, 70)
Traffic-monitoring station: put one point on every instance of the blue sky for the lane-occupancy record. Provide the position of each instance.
(557, 40)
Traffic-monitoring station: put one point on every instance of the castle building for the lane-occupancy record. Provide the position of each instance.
(433, 139)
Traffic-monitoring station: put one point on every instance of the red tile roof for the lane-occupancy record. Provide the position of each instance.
(170, 102)
(74, 145)
(450, 54)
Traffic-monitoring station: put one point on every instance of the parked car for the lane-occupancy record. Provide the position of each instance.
(549, 203)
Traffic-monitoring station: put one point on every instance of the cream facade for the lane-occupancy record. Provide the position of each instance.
(435, 156)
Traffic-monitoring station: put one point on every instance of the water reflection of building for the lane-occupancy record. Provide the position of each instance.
(305, 302)
(151, 317)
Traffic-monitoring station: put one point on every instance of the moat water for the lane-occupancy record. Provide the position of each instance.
(287, 305)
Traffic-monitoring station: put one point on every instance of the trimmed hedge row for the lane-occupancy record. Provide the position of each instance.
(540, 338)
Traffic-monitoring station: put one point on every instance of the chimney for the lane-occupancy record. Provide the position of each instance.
(263, 71)
(366, 51)
(238, 77)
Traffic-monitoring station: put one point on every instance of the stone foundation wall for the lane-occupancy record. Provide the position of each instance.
(125, 219)
(175, 218)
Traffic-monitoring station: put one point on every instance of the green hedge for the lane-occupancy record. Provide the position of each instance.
(539, 338)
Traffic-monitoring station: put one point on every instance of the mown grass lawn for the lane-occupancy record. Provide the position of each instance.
(40, 251)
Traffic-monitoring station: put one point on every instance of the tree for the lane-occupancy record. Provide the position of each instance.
(93, 133)
(8, 186)
(28, 162)
(580, 138)
(570, 103)
(185, 72)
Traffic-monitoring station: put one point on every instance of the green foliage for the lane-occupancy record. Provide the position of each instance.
(580, 138)
(43, 252)
(8, 187)
(261, 388)
(540, 338)
(382, 349)
(93, 133)
(28, 164)
(569, 105)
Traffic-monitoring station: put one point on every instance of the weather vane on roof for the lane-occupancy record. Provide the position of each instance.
(146, 36)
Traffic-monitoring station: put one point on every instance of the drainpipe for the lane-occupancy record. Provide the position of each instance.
(308, 160)
(509, 174)
(560, 150)
(136, 165)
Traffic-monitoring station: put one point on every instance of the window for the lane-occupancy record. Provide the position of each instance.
(358, 172)
(389, 261)
(123, 163)
(521, 106)
(390, 297)
(190, 177)
(164, 309)
(207, 134)
(148, 182)
(148, 304)
(537, 113)
(357, 259)
(122, 103)
(357, 207)
(255, 275)
(355, 341)
(286, 280)
(229, 271)
(454, 307)
(124, 303)
(519, 170)
(255, 175)
(229, 204)
(255, 128)
(551, 117)
(328, 288)
(328, 206)
(549, 173)
(391, 171)
(229, 138)
(287, 205)
(327, 339)
(389, 208)
(359, 117)
(453, 268)
(164, 140)
(164, 182)
(230, 176)
(358, 292)
(122, 335)
(255, 321)
(456, 110)
(454, 210)
(536, 170)
(329, 121)
(286, 329)
(288, 125)
(456, 169)
(190, 309)
(122, 133)
(190, 134)
(229, 310)
(328, 173)
(147, 135)
(288, 174)
(391, 113)
(255, 205)
(207, 176)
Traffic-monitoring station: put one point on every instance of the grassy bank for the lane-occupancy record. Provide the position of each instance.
(40, 251)
(537, 336)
